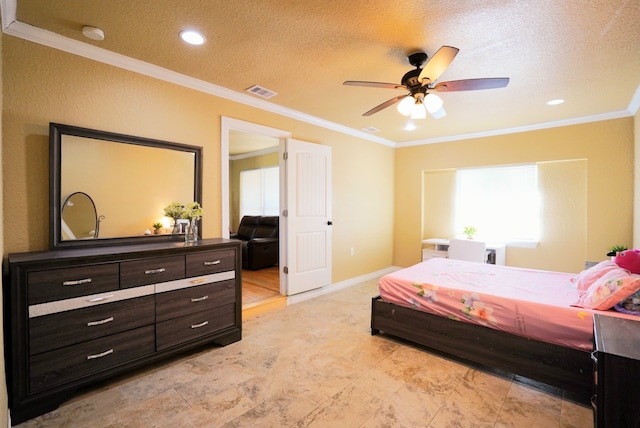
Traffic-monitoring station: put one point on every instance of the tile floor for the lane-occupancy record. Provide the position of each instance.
(315, 364)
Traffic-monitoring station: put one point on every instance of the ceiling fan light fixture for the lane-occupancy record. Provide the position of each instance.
(432, 103)
(405, 107)
(418, 111)
(439, 114)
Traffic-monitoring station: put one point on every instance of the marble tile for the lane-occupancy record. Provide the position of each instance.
(573, 415)
(528, 406)
(280, 410)
(469, 406)
(348, 408)
(216, 410)
(410, 406)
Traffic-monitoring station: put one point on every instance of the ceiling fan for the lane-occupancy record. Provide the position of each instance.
(421, 83)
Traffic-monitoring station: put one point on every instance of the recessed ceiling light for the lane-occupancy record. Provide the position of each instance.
(555, 102)
(410, 126)
(192, 37)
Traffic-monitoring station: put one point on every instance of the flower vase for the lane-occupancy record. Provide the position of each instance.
(176, 227)
(191, 233)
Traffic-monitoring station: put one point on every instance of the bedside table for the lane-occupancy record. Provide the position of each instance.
(616, 372)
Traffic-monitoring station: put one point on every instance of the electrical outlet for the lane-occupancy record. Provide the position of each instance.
(352, 251)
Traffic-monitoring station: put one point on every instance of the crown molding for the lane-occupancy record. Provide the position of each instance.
(533, 127)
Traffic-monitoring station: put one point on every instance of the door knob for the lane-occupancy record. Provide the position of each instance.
(329, 223)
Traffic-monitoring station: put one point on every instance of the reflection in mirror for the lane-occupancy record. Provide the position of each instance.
(131, 180)
(79, 217)
(131, 184)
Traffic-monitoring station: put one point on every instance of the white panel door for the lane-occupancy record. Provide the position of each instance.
(308, 205)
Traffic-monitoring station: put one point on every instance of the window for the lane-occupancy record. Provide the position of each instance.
(260, 191)
(501, 203)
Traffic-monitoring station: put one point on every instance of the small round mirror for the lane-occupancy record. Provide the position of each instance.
(79, 217)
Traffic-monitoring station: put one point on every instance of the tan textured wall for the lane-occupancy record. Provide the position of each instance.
(607, 147)
(438, 203)
(4, 404)
(43, 85)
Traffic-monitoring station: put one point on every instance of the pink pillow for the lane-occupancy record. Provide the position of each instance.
(613, 287)
(588, 276)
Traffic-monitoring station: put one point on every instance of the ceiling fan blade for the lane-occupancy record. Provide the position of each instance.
(472, 84)
(374, 84)
(438, 63)
(386, 104)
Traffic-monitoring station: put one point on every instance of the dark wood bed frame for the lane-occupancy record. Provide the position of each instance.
(566, 368)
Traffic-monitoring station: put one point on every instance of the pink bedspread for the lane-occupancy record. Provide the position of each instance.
(526, 302)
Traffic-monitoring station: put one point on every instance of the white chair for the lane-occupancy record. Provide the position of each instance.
(468, 249)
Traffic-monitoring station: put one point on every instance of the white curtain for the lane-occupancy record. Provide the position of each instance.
(260, 191)
(502, 203)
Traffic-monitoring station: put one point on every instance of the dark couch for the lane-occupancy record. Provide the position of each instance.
(259, 236)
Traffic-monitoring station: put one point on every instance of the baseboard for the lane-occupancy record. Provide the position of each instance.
(297, 298)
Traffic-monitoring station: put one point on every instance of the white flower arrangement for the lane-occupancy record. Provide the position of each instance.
(190, 211)
(174, 210)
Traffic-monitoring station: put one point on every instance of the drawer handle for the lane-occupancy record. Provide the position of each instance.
(199, 299)
(152, 271)
(77, 281)
(104, 321)
(217, 262)
(202, 324)
(101, 298)
(594, 357)
(100, 355)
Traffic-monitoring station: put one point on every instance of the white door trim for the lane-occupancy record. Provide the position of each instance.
(227, 124)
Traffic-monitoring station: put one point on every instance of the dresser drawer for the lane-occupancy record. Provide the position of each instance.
(151, 271)
(56, 284)
(70, 327)
(193, 326)
(210, 262)
(205, 297)
(74, 362)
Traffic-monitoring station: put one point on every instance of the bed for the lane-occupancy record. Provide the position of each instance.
(533, 323)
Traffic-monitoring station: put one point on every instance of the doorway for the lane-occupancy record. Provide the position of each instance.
(246, 146)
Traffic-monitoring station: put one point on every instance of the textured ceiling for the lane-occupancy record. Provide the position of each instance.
(586, 52)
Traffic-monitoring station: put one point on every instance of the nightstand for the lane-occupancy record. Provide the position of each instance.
(616, 372)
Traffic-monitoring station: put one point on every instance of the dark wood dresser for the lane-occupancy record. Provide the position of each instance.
(616, 372)
(76, 316)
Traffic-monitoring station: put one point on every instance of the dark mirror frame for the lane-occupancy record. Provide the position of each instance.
(96, 219)
(56, 131)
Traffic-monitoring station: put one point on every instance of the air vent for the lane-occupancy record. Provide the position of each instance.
(371, 129)
(261, 92)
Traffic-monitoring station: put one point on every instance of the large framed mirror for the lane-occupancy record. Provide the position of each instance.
(113, 188)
